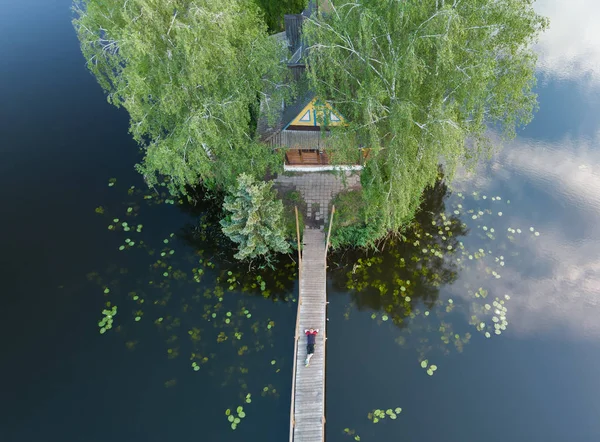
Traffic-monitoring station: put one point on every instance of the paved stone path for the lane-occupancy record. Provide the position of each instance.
(317, 189)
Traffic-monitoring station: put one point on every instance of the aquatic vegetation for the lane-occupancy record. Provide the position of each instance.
(499, 322)
(196, 297)
(401, 284)
(107, 321)
(377, 414)
(429, 368)
(352, 433)
(235, 418)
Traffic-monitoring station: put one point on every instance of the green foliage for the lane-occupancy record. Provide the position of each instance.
(429, 368)
(377, 415)
(274, 10)
(254, 220)
(291, 199)
(107, 320)
(351, 226)
(190, 73)
(231, 417)
(420, 83)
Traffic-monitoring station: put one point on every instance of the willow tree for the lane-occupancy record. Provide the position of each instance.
(421, 83)
(190, 73)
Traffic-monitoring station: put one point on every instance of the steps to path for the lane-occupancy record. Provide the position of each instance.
(309, 389)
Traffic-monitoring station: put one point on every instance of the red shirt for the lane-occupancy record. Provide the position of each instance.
(311, 336)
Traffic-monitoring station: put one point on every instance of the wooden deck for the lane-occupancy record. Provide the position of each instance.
(308, 394)
(299, 157)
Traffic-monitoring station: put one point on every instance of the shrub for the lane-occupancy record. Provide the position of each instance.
(351, 228)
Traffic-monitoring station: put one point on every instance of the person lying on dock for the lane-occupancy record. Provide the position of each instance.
(311, 335)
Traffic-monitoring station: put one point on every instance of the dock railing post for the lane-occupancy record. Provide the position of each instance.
(329, 233)
(298, 238)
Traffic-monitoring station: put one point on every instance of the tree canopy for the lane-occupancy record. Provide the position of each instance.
(420, 83)
(190, 73)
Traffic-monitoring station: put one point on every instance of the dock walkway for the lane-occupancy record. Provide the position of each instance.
(308, 394)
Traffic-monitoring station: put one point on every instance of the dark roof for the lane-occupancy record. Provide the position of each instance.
(294, 109)
(293, 36)
(283, 116)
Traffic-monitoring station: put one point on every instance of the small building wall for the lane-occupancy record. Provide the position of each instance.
(300, 139)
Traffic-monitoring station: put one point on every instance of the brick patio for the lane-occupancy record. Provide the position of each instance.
(318, 189)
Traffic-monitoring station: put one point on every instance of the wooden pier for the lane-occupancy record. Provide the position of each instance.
(307, 414)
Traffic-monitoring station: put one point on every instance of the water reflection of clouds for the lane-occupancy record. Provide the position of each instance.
(570, 49)
(564, 293)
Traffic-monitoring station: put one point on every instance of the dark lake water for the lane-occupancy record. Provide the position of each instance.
(64, 381)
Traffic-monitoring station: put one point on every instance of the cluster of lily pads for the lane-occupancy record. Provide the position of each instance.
(377, 415)
(499, 318)
(430, 368)
(233, 419)
(107, 321)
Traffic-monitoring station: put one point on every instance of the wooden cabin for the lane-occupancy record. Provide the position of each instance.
(301, 128)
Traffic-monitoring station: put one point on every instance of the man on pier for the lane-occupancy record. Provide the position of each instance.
(311, 335)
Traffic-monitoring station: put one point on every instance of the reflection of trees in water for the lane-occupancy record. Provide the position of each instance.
(408, 273)
(410, 267)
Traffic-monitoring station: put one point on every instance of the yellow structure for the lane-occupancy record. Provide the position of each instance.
(317, 113)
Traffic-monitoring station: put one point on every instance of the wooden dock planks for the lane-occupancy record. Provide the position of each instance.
(309, 388)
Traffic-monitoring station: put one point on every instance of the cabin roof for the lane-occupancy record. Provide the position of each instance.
(282, 117)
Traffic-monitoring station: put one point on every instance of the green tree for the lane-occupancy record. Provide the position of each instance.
(189, 73)
(421, 83)
(254, 219)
